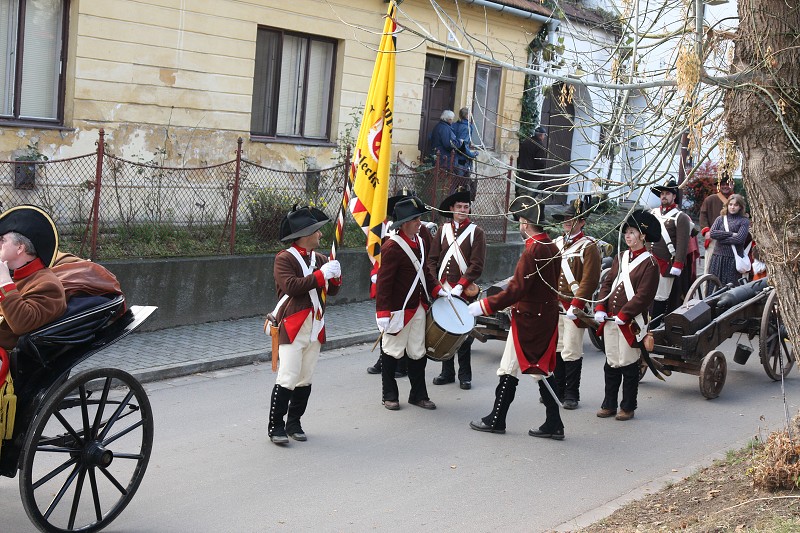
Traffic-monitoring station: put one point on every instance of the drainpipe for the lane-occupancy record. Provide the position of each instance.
(552, 23)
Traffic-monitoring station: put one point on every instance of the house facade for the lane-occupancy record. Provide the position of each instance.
(179, 81)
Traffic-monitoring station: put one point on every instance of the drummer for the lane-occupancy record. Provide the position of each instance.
(531, 343)
(457, 256)
(580, 276)
(403, 288)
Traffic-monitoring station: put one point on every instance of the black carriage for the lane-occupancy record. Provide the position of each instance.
(81, 444)
(688, 339)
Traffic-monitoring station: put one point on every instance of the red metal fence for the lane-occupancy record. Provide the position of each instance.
(106, 207)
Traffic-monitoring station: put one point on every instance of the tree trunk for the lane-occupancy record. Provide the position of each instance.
(762, 127)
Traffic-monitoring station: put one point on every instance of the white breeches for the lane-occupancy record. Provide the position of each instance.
(570, 339)
(298, 359)
(664, 288)
(618, 352)
(509, 364)
(409, 340)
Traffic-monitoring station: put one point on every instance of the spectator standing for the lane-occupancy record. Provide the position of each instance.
(464, 130)
(731, 233)
(709, 211)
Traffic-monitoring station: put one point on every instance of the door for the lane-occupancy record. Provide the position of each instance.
(559, 121)
(438, 94)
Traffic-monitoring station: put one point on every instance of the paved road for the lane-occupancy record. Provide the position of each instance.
(366, 468)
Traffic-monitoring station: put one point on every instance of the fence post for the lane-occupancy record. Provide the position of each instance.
(508, 196)
(235, 199)
(101, 146)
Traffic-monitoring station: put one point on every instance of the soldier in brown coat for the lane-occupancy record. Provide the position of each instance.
(456, 258)
(404, 287)
(670, 251)
(303, 278)
(580, 275)
(629, 289)
(31, 295)
(531, 343)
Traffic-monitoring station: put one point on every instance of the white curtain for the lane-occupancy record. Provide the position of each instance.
(8, 44)
(319, 89)
(41, 62)
(292, 85)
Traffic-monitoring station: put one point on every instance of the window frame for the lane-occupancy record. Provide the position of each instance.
(271, 133)
(15, 119)
(481, 128)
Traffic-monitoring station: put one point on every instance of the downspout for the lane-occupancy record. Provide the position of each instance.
(552, 23)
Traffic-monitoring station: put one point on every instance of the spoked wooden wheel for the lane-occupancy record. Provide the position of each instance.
(775, 350)
(713, 371)
(702, 287)
(597, 341)
(86, 452)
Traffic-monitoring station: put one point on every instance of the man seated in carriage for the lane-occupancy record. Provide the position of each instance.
(31, 295)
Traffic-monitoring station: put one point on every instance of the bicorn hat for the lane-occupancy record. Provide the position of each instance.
(408, 209)
(392, 201)
(301, 221)
(35, 224)
(671, 186)
(462, 194)
(647, 224)
(526, 207)
(577, 209)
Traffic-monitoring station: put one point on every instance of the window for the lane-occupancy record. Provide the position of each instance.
(292, 85)
(32, 48)
(485, 103)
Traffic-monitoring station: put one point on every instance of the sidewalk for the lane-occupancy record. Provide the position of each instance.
(183, 350)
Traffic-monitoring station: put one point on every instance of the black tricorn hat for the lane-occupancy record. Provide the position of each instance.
(406, 210)
(302, 221)
(526, 207)
(35, 224)
(647, 224)
(462, 194)
(671, 186)
(392, 201)
(577, 209)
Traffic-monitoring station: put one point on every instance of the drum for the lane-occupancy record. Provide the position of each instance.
(447, 326)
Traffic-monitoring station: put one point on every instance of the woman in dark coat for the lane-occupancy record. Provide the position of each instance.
(731, 228)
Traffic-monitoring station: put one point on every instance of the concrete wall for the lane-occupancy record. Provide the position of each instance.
(207, 289)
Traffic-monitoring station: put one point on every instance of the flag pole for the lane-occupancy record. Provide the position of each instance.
(338, 232)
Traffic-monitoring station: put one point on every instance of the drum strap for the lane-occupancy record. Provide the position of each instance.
(624, 277)
(453, 244)
(417, 266)
(318, 319)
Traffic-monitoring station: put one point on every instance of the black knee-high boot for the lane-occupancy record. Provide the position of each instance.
(279, 404)
(376, 368)
(630, 387)
(572, 382)
(659, 310)
(495, 422)
(613, 380)
(464, 361)
(560, 376)
(416, 376)
(297, 407)
(388, 367)
(553, 427)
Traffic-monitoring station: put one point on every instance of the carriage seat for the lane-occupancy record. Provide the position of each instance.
(84, 318)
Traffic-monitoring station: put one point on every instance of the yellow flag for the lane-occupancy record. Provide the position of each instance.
(369, 170)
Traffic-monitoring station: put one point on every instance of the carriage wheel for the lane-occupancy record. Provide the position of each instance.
(597, 341)
(712, 374)
(86, 451)
(702, 287)
(642, 368)
(775, 350)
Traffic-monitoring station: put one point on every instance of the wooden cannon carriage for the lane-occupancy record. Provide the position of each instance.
(689, 337)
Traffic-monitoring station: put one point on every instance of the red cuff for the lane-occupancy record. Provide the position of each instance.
(320, 278)
(463, 282)
(601, 307)
(577, 302)
(705, 230)
(436, 291)
(677, 264)
(335, 281)
(623, 317)
(5, 289)
(485, 306)
(384, 314)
